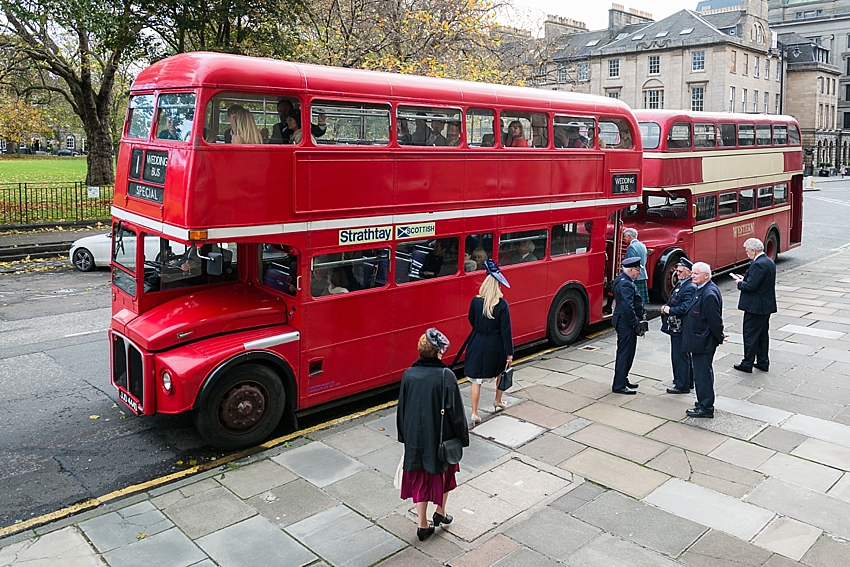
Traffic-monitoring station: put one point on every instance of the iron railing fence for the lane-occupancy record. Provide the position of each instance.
(32, 203)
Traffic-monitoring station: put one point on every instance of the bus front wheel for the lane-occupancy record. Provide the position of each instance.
(243, 408)
(771, 246)
(669, 277)
(566, 317)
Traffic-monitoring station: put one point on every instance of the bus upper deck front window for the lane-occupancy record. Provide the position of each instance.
(614, 133)
(258, 115)
(650, 134)
(140, 116)
(176, 113)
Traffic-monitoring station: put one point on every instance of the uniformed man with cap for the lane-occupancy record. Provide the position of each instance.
(628, 313)
(671, 323)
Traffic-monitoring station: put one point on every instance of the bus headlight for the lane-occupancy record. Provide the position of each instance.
(166, 382)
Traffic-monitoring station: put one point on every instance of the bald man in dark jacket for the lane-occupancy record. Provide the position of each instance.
(757, 301)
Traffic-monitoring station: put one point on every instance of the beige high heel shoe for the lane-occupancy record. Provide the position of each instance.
(499, 406)
(475, 420)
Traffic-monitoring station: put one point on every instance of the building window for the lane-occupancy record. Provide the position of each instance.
(766, 101)
(743, 100)
(584, 71)
(731, 99)
(766, 69)
(778, 70)
(562, 74)
(846, 92)
(755, 101)
(654, 64)
(820, 116)
(70, 143)
(820, 85)
(776, 105)
(847, 120)
(756, 66)
(697, 94)
(698, 61)
(613, 94)
(733, 66)
(653, 98)
(613, 68)
(848, 41)
(746, 68)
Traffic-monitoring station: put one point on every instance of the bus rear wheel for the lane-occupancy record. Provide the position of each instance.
(566, 317)
(243, 408)
(771, 246)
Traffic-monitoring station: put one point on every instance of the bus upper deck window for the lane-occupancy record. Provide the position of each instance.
(746, 135)
(480, 128)
(176, 114)
(728, 135)
(426, 126)
(524, 129)
(650, 134)
(679, 136)
(351, 123)
(141, 116)
(780, 135)
(763, 137)
(614, 133)
(793, 135)
(575, 132)
(704, 136)
(257, 113)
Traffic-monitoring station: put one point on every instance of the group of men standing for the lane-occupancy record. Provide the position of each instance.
(693, 318)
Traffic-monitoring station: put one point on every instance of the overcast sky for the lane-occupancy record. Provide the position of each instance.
(594, 14)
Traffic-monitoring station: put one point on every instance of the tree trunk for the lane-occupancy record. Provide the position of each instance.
(99, 159)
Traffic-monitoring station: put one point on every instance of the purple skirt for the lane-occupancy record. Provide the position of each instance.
(423, 486)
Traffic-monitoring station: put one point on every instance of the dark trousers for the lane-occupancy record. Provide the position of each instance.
(626, 347)
(756, 339)
(683, 373)
(704, 379)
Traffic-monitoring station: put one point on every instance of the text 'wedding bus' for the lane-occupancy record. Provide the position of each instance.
(710, 182)
(323, 218)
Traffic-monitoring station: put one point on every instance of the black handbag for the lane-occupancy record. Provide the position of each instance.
(506, 380)
(450, 451)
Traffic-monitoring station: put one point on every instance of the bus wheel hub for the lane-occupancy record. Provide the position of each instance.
(242, 407)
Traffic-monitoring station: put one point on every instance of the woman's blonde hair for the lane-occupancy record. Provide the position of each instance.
(245, 128)
(491, 292)
(426, 349)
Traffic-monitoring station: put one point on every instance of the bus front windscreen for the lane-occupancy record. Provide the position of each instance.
(650, 134)
(170, 265)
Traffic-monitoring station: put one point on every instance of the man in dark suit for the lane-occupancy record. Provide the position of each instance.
(627, 315)
(757, 301)
(671, 324)
(702, 331)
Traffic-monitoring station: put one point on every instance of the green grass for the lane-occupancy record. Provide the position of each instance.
(47, 169)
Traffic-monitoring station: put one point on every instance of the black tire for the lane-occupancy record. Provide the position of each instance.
(771, 246)
(84, 260)
(668, 277)
(256, 392)
(566, 317)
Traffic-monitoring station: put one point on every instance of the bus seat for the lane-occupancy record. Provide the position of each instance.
(368, 275)
(276, 278)
(416, 258)
(383, 272)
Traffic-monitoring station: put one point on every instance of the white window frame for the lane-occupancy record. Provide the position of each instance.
(697, 99)
(698, 61)
(70, 142)
(613, 68)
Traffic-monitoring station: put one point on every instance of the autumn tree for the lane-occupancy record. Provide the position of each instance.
(20, 120)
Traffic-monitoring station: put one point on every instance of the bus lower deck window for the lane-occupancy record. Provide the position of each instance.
(522, 247)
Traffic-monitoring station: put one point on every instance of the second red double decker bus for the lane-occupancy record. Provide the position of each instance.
(305, 250)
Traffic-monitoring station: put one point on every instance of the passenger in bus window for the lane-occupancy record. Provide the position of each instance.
(170, 131)
(293, 122)
(436, 137)
(574, 137)
(625, 138)
(282, 134)
(526, 251)
(452, 134)
(469, 265)
(403, 131)
(480, 256)
(231, 112)
(422, 133)
(337, 282)
(319, 282)
(433, 262)
(515, 137)
(244, 128)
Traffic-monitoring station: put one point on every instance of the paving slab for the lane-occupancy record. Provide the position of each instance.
(803, 504)
(797, 404)
(626, 445)
(488, 553)
(751, 410)
(587, 388)
(508, 431)
(607, 551)
(674, 462)
(598, 373)
(717, 549)
(722, 477)
(441, 547)
(742, 454)
(384, 460)
(358, 441)
(385, 425)
(799, 471)
(477, 512)
(813, 332)
(523, 557)
(343, 538)
(578, 497)
(788, 537)
(410, 557)
(170, 548)
(828, 551)
(124, 526)
(729, 424)
(553, 533)
(555, 398)
(557, 364)
(479, 454)
(518, 483)
(624, 419)
(368, 492)
(541, 415)
(614, 472)
(248, 481)
(665, 406)
(66, 548)
(320, 464)
(779, 439)
(255, 542)
(819, 429)
(551, 449)
(571, 427)
(841, 489)
(688, 437)
(208, 511)
(552, 379)
(292, 502)
(710, 508)
(641, 523)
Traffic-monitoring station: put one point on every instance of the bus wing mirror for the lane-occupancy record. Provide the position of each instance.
(215, 264)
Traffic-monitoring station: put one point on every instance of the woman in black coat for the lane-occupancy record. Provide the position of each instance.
(427, 387)
(491, 347)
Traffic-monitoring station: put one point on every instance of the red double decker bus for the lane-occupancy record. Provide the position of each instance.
(710, 182)
(305, 251)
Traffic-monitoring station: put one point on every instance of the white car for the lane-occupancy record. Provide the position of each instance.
(96, 251)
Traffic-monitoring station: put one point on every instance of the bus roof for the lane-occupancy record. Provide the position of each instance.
(671, 116)
(216, 70)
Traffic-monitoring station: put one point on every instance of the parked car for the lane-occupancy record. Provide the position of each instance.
(67, 153)
(96, 251)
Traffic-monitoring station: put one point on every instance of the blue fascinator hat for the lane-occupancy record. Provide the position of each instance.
(493, 269)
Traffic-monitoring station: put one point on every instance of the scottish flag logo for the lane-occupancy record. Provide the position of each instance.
(421, 230)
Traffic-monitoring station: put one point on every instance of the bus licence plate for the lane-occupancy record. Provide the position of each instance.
(130, 402)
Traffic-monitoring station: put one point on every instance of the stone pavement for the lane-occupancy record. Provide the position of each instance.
(570, 474)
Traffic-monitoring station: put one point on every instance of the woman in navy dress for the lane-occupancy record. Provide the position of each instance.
(491, 347)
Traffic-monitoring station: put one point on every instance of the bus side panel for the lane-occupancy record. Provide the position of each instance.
(680, 171)
(480, 184)
(796, 232)
(421, 178)
(527, 299)
(575, 176)
(331, 181)
(728, 247)
(523, 175)
(793, 161)
(705, 247)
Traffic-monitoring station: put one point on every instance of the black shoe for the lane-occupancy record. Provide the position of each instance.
(742, 368)
(438, 519)
(675, 391)
(632, 386)
(625, 391)
(762, 367)
(425, 533)
(696, 412)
